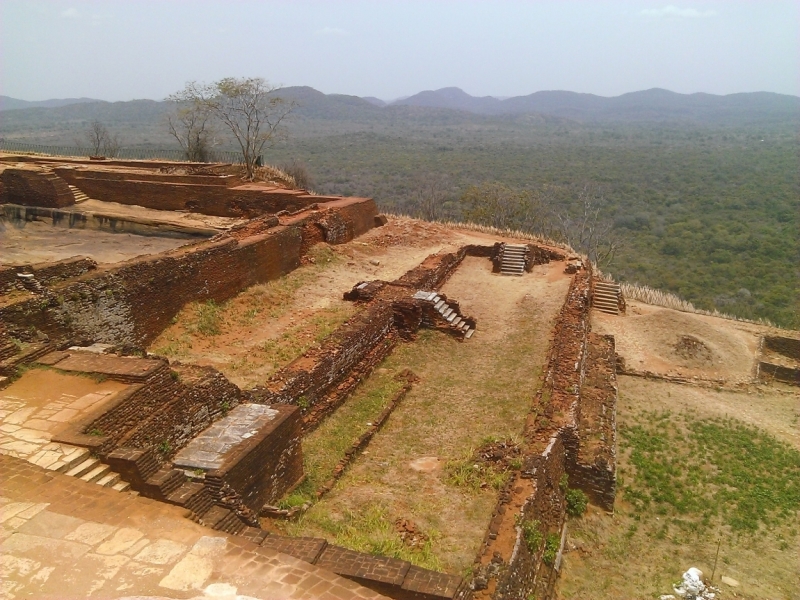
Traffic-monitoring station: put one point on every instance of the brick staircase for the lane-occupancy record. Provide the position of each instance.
(450, 314)
(606, 297)
(512, 261)
(79, 195)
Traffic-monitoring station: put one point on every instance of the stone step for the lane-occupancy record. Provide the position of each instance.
(121, 486)
(98, 472)
(456, 321)
(452, 317)
(83, 468)
(76, 458)
(610, 311)
(469, 334)
(108, 480)
(605, 297)
(447, 313)
(438, 304)
(605, 303)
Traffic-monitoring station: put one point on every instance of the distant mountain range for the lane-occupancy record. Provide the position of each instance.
(54, 119)
(654, 104)
(8, 103)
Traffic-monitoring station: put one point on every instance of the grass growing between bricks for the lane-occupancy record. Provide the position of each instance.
(686, 482)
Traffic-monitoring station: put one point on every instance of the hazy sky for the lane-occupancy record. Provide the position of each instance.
(125, 49)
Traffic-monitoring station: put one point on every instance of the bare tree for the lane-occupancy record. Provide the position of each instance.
(503, 207)
(587, 231)
(190, 125)
(101, 141)
(96, 136)
(428, 197)
(248, 107)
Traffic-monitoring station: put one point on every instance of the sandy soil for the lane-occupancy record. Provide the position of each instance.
(665, 341)
(468, 391)
(41, 242)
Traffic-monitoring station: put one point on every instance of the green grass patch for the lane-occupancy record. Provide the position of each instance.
(325, 446)
(372, 530)
(721, 469)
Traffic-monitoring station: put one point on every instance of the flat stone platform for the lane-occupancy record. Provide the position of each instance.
(209, 450)
(61, 537)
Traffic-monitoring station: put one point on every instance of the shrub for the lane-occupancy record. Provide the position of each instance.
(576, 502)
(532, 536)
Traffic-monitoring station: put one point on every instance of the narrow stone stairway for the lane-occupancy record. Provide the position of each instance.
(452, 316)
(606, 297)
(79, 195)
(77, 462)
(513, 259)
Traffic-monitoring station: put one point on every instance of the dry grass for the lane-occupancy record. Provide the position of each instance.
(648, 295)
(691, 477)
(452, 410)
(488, 229)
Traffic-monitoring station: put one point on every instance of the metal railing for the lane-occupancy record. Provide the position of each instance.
(217, 156)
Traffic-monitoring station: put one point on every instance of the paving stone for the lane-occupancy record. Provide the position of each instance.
(90, 533)
(51, 524)
(12, 509)
(122, 540)
(64, 415)
(190, 573)
(42, 548)
(161, 552)
(20, 416)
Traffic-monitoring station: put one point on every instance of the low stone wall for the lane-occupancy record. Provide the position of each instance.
(46, 273)
(592, 466)
(789, 347)
(260, 468)
(207, 199)
(204, 395)
(769, 371)
(33, 186)
(70, 219)
(132, 303)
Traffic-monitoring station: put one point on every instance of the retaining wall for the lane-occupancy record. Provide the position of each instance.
(132, 303)
(31, 186)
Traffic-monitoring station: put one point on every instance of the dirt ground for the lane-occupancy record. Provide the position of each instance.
(294, 311)
(669, 342)
(468, 392)
(39, 242)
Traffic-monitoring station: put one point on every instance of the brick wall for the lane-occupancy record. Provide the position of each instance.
(133, 302)
(46, 273)
(593, 467)
(201, 198)
(265, 466)
(202, 396)
(31, 186)
(788, 347)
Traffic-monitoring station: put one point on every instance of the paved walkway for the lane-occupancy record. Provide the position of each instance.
(61, 537)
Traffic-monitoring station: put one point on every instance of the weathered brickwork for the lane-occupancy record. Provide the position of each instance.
(261, 468)
(132, 303)
(593, 467)
(46, 273)
(34, 186)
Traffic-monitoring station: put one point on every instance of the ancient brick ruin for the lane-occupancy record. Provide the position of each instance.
(184, 435)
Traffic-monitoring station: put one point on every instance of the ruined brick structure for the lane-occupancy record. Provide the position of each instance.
(153, 431)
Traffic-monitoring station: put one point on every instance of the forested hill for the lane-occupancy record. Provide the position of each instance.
(703, 191)
(649, 105)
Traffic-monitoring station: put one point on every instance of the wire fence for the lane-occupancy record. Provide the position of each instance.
(215, 156)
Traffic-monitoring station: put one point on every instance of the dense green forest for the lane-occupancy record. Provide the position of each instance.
(710, 214)
(706, 208)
